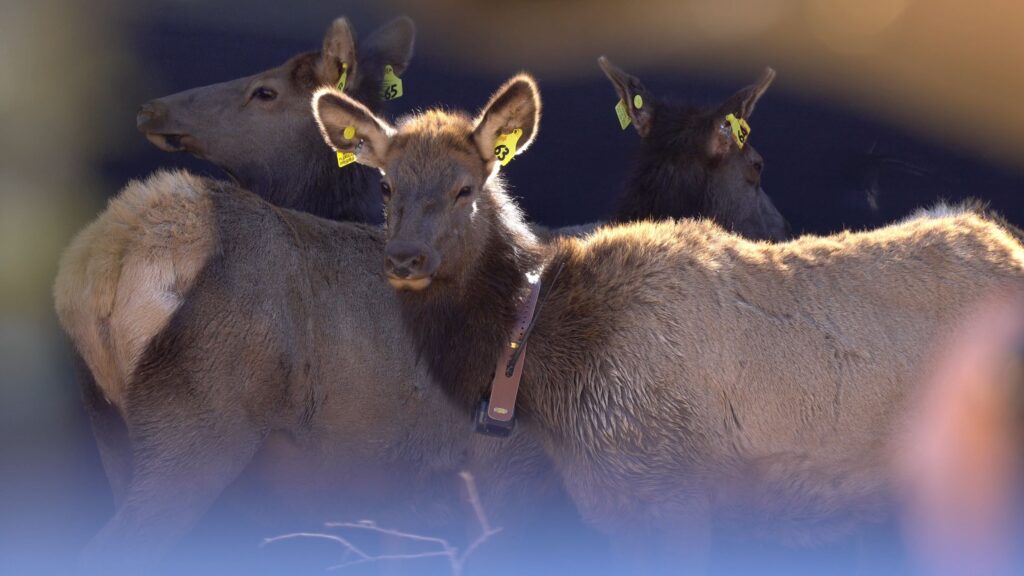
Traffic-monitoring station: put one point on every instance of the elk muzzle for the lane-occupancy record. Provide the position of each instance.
(410, 265)
(152, 121)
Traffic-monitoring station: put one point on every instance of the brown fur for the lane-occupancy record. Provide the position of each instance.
(804, 353)
(275, 330)
(679, 373)
(123, 277)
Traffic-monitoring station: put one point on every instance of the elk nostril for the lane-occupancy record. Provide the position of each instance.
(149, 114)
(404, 259)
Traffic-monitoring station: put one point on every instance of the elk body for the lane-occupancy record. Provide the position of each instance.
(677, 374)
(259, 129)
(690, 164)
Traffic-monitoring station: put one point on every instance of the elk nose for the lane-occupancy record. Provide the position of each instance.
(405, 259)
(150, 115)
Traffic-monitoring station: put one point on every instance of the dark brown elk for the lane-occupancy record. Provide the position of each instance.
(259, 129)
(691, 165)
(677, 374)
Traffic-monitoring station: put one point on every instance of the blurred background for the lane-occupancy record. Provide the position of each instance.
(880, 106)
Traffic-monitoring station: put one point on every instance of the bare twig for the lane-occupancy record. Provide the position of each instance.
(444, 549)
(350, 548)
(474, 500)
(371, 526)
(486, 531)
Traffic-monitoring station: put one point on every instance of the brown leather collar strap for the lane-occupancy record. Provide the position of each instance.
(504, 387)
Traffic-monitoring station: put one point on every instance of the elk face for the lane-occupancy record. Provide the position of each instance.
(734, 169)
(709, 167)
(437, 169)
(250, 125)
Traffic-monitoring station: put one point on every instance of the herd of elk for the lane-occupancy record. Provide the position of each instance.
(678, 375)
(177, 274)
(218, 323)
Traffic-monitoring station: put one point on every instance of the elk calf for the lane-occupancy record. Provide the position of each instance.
(676, 373)
(260, 131)
(692, 164)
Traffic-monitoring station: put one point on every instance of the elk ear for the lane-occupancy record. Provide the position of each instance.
(742, 103)
(633, 94)
(338, 54)
(392, 44)
(741, 106)
(348, 126)
(515, 106)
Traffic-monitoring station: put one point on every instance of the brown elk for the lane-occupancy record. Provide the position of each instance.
(259, 129)
(676, 373)
(691, 164)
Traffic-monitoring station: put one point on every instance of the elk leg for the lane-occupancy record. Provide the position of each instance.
(109, 429)
(186, 450)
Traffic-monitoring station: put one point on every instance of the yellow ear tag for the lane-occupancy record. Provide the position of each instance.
(740, 130)
(346, 158)
(344, 77)
(392, 88)
(622, 114)
(505, 146)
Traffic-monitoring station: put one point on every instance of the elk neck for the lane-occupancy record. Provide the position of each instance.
(318, 187)
(660, 185)
(461, 326)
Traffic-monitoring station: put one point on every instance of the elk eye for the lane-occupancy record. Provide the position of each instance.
(385, 190)
(265, 94)
(758, 165)
(464, 192)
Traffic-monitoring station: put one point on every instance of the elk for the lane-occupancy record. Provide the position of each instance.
(691, 164)
(677, 374)
(259, 129)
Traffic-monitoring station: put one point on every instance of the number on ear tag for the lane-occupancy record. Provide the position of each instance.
(740, 130)
(344, 77)
(505, 146)
(622, 114)
(392, 87)
(346, 158)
